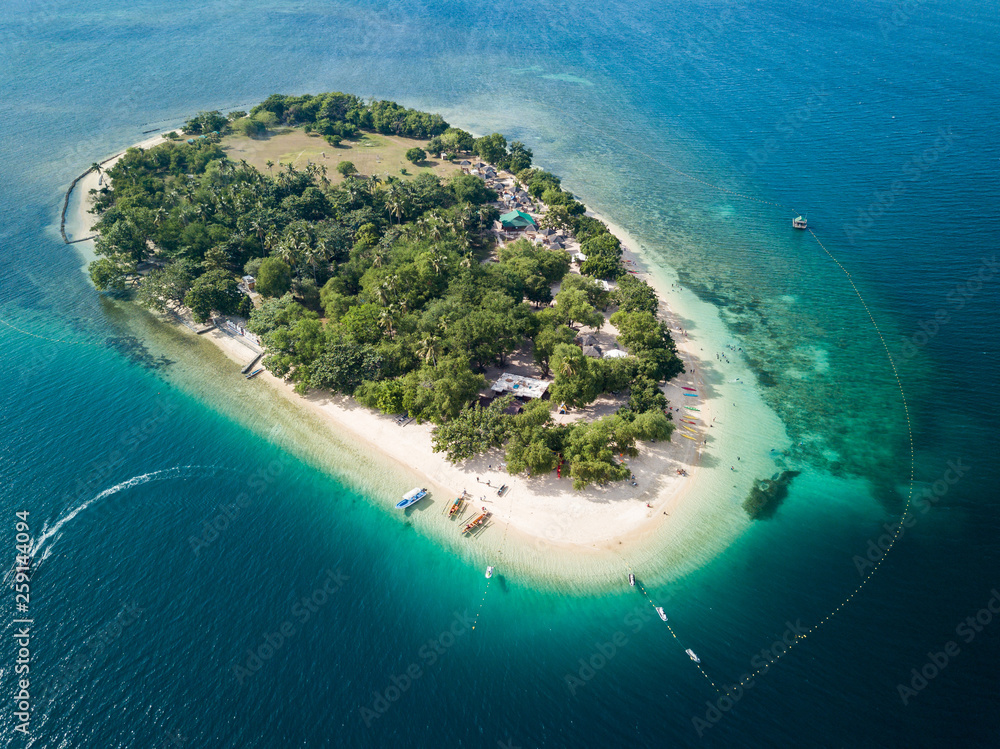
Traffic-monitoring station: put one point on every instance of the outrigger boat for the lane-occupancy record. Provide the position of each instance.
(631, 579)
(411, 498)
(478, 520)
(502, 490)
(489, 572)
(457, 505)
(692, 656)
(659, 610)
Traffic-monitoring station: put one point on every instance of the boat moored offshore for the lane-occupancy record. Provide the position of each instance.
(661, 612)
(799, 222)
(692, 655)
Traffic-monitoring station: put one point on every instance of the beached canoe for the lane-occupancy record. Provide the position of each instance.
(687, 388)
(689, 437)
(692, 408)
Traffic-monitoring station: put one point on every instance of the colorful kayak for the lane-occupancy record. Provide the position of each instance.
(691, 395)
(689, 437)
(692, 408)
(687, 388)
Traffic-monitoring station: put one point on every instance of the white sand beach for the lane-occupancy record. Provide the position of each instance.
(668, 519)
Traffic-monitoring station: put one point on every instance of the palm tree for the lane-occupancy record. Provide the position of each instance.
(429, 348)
(270, 165)
(396, 203)
(567, 367)
(382, 295)
(314, 255)
(386, 322)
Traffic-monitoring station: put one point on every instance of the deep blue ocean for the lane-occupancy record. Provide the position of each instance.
(878, 120)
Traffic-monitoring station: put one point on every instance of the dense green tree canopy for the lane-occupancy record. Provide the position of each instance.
(215, 290)
(274, 278)
(413, 307)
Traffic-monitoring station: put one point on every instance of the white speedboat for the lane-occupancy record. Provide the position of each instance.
(661, 612)
(411, 498)
(489, 572)
(631, 579)
(692, 656)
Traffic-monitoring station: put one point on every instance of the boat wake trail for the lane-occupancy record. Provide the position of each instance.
(41, 549)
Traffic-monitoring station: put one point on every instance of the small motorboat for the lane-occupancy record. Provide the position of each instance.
(254, 373)
(631, 579)
(411, 498)
(692, 656)
(489, 572)
(799, 222)
(661, 612)
(502, 490)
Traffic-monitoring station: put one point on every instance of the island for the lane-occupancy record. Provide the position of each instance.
(401, 274)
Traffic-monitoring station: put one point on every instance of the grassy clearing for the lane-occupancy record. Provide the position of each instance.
(383, 155)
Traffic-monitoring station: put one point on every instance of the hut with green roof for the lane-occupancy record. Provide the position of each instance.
(517, 221)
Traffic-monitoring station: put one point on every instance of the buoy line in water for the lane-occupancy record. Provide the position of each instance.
(876, 565)
(51, 340)
(892, 364)
(503, 544)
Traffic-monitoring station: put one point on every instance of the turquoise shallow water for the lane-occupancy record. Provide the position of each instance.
(877, 120)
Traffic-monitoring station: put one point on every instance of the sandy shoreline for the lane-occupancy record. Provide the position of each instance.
(667, 519)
